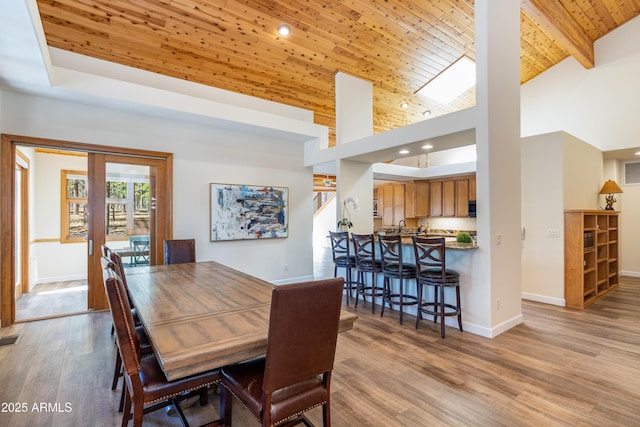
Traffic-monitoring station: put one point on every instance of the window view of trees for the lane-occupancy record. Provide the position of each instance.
(127, 206)
(74, 206)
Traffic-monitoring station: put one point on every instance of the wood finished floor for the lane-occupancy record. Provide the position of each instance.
(52, 299)
(560, 367)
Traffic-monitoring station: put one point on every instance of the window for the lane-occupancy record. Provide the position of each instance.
(75, 189)
(127, 206)
(631, 173)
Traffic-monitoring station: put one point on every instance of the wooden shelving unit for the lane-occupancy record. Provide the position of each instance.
(590, 256)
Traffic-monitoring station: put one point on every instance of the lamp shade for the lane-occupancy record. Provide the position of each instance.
(610, 187)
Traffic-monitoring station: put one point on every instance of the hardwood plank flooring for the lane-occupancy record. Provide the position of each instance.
(52, 299)
(561, 367)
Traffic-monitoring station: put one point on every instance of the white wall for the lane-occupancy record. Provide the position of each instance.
(559, 172)
(583, 174)
(52, 261)
(202, 154)
(628, 203)
(542, 200)
(324, 220)
(595, 105)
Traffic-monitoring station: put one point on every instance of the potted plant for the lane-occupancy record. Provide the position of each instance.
(345, 223)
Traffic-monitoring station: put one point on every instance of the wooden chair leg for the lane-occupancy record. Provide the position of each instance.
(126, 414)
(326, 415)
(117, 372)
(225, 406)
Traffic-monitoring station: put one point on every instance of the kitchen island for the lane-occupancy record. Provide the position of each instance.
(458, 257)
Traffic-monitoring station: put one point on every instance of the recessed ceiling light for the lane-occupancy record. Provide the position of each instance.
(426, 113)
(404, 151)
(284, 30)
(427, 146)
(404, 104)
(452, 82)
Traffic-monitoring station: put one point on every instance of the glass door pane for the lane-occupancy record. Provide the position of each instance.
(128, 212)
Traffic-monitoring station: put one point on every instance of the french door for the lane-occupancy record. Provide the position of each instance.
(151, 170)
(125, 195)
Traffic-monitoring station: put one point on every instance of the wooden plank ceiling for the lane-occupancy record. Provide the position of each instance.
(398, 45)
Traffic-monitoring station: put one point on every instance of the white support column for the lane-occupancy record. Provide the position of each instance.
(496, 289)
(356, 180)
(354, 120)
(354, 108)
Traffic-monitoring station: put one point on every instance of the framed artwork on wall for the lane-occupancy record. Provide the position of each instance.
(240, 212)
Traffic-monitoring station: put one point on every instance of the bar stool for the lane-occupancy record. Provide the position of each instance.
(431, 271)
(342, 258)
(365, 253)
(393, 267)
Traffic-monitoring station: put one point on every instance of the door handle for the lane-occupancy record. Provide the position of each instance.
(90, 247)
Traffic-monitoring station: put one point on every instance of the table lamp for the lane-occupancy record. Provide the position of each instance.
(610, 188)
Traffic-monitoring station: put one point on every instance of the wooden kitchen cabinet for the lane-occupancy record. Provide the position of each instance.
(391, 203)
(435, 198)
(472, 187)
(449, 198)
(591, 267)
(416, 199)
(462, 197)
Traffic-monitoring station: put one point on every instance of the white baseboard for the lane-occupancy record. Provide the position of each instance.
(53, 279)
(292, 280)
(544, 299)
(630, 273)
(494, 331)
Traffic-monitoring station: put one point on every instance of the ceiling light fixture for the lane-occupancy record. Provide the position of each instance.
(404, 151)
(427, 146)
(284, 30)
(452, 82)
(404, 104)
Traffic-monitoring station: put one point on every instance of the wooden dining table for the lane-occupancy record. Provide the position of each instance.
(204, 315)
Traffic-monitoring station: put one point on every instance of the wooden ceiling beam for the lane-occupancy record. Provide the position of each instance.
(554, 19)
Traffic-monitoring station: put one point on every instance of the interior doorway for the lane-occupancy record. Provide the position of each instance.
(68, 225)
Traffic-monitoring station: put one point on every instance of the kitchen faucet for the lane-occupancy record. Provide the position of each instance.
(400, 225)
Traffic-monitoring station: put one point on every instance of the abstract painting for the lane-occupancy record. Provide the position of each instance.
(241, 212)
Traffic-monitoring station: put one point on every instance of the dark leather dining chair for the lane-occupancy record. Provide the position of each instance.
(146, 387)
(432, 272)
(295, 374)
(179, 251)
(143, 339)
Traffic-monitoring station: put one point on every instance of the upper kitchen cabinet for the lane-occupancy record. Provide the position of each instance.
(416, 199)
(449, 197)
(462, 197)
(391, 203)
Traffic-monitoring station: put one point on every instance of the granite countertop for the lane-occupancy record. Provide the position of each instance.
(451, 244)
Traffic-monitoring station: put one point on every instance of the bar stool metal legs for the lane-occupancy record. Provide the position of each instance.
(342, 258)
(365, 254)
(394, 267)
(431, 271)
